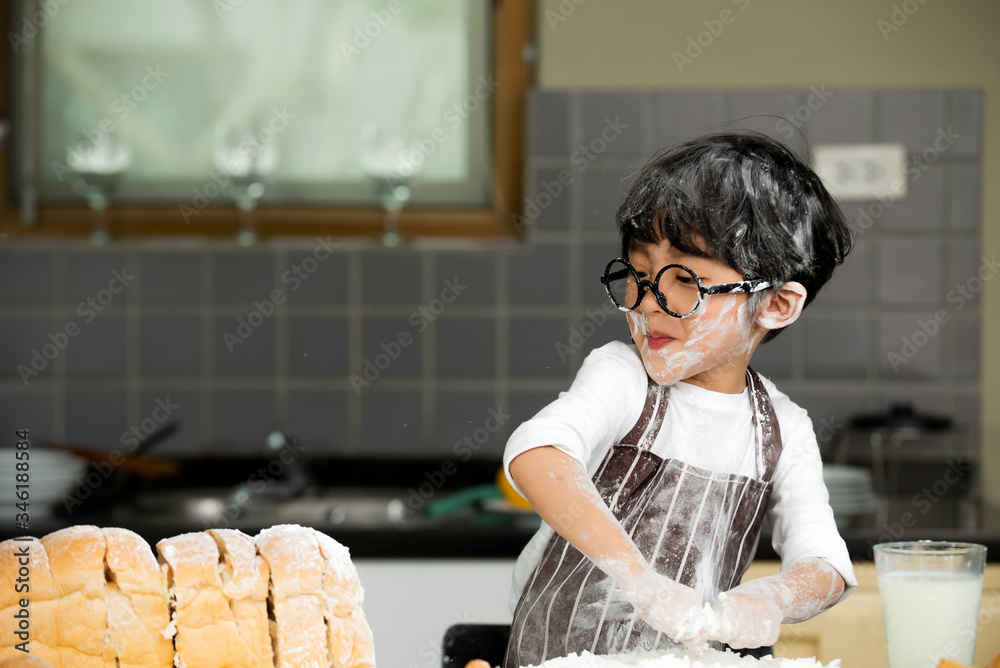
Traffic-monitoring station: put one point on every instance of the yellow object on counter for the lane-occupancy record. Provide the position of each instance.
(479, 663)
(947, 663)
(509, 492)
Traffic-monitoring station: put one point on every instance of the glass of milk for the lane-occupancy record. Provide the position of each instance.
(930, 595)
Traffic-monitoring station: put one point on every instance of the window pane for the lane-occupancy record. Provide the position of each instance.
(313, 96)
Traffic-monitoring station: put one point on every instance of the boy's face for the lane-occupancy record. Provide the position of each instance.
(710, 348)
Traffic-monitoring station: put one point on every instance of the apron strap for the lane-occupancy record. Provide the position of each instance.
(766, 428)
(647, 426)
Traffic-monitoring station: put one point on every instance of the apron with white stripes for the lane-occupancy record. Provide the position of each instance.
(696, 526)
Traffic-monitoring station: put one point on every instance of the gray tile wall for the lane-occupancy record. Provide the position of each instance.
(407, 351)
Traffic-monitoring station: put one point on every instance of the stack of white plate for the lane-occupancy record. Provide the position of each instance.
(50, 474)
(851, 492)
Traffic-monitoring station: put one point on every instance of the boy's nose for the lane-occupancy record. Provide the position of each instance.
(648, 303)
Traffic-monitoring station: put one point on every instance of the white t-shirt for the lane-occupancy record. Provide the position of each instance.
(711, 430)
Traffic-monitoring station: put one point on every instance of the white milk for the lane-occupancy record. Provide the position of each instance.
(929, 615)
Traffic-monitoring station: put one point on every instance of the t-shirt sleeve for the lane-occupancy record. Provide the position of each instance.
(603, 402)
(799, 512)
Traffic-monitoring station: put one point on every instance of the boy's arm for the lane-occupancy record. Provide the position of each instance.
(816, 565)
(565, 497)
(562, 493)
(750, 614)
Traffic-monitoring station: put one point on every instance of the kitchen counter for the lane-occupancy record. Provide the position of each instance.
(469, 537)
(852, 630)
(471, 533)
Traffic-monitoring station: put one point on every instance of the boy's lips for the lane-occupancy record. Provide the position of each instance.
(656, 340)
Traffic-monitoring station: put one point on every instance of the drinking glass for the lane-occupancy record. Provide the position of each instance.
(97, 173)
(930, 593)
(387, 160)
(246, 161)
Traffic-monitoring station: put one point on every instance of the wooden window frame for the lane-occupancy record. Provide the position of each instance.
(511, 27)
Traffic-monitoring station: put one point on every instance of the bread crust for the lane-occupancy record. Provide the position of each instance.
(76, 562)
(138, 613)
(349, 638)
(245, 575)
(299, 628)
(207, 635)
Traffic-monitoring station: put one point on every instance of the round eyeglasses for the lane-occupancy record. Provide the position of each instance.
(677, 289)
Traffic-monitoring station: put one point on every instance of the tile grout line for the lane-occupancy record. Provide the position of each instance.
(575, 225)
(429, 359)
(947, 243)
(501, 296)
(355, 338)
(133, 342)
(205, 258)
(282, 344)
(799, 334)
(60, 395)
(874, 320)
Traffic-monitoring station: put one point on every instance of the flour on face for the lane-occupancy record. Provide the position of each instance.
(716, 341)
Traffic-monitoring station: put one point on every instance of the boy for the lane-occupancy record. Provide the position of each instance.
(658, 467)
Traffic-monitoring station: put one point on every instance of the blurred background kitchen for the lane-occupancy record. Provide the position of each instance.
(378, 228)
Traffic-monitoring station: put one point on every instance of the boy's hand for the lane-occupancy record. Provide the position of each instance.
(745, 620)
(669, 607)
(751, 614)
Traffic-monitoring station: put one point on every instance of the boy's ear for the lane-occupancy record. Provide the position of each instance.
(783, 306)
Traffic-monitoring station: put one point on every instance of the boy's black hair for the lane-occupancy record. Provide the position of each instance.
(741, 198)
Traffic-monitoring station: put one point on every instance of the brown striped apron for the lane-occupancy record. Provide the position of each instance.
(696, 526)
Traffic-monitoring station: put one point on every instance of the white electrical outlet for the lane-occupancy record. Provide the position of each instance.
(862, 171)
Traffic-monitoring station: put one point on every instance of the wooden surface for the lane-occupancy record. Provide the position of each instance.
(852, 630)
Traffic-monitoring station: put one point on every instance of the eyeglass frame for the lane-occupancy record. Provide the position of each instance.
(644, 284)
